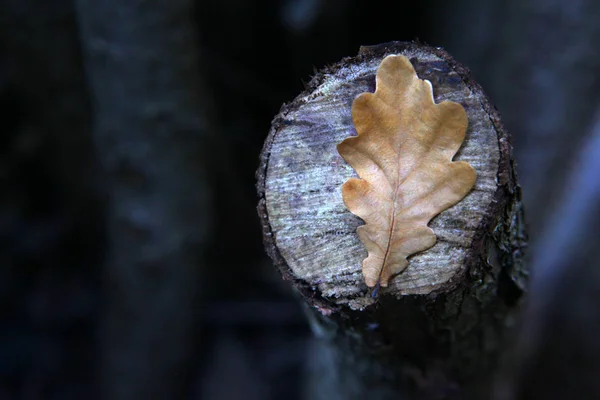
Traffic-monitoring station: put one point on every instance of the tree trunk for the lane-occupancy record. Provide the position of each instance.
(555, 357)
(437, 330)
(152, 140)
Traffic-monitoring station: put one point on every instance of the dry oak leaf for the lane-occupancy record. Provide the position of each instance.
(403, 156)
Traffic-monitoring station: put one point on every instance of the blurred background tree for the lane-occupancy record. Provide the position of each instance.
(227, 327)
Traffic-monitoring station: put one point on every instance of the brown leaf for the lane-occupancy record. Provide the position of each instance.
(403, 155)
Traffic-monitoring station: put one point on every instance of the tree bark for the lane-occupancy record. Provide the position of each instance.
(537, 59)
(437, 330)
(152, 140)
(554, 358)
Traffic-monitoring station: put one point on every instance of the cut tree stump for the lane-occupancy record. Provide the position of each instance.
(438, 328)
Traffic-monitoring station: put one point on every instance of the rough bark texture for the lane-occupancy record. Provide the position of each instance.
(555, 357)
(152, 140)
(538, 59)
(441, 322)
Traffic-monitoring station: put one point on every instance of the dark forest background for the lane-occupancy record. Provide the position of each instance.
(86, 311)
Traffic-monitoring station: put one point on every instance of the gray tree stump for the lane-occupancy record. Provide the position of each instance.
(438, 328)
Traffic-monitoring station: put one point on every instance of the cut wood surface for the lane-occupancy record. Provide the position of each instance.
(309, 230)
(441, 324)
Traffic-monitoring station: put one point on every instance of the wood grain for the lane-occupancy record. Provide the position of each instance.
(450, 311)
(314, 231)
